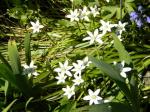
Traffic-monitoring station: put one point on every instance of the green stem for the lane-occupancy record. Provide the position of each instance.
(120, 10)
(80, 96)
(78, 26)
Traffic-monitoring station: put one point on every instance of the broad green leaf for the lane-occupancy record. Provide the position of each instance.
(4, 61)
(123, 54)
(110, 107)
(27, 48)
(69, 107)
(77, 2)
(113, 74)
(129, 0)
(129, 7)
(7, 74)
(108, 69)
(9, 106)
(134, 93)
(24, 85)
(14, 57)
(111, 9)
(100, 108)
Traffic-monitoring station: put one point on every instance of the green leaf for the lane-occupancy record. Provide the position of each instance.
(100, 108)
(4, 61)
(31, 98)
(14, 57)
(9, 106)
(21, 80)
(129, 0)
(113, 74)
(129, 7)
(6, 87)
(123, 54)
(69, 107)
(111, 9)
(7, 74)
(134, 93)
(108, 69)
(110, 107)
(27, 48)
(77, 2)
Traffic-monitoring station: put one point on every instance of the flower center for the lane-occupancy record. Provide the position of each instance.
(93, 97)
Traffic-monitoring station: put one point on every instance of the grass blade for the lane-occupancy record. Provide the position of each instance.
(27, 48)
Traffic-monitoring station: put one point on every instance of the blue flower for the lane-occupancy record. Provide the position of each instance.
(139, 22)
(133, 15)
(140, 8)
(148, 19)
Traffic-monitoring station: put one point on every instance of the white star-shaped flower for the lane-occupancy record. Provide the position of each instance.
(64, 68)
(107, 1)
(30, 69)
(84, 14)
(106, 26)
(78, 67)
(61, 78)
(94, 11)
(86, 61)
(121, 27)
(93, 97)
(78, 80)
(124, 70)
(69, 91)
(73, 15)
(94, 37)
(36, 26)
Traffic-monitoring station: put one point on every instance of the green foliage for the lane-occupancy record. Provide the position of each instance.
(9, 106)
(27, 48)
(61, 40)
(123, 54)
(131, 93)
(14, 57)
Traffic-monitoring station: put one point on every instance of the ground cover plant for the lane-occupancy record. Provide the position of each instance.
(75, 56)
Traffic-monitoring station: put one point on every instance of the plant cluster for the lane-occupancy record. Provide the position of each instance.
(89, 61)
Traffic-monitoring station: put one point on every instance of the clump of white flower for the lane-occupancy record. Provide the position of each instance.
(61, 78)
(78, 80)
(30, 69)
(94, 37)
(69, 91)
(106, 26)
(94, 11)
(36, 26)
(120, 28)
(64, 69)
(86, 61)
(123, 69)
(78, 67)
(84, 13)
(74, 15)
(93, 97)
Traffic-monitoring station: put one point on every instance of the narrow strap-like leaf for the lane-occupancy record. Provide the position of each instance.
(27, 48)
(9, 106)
